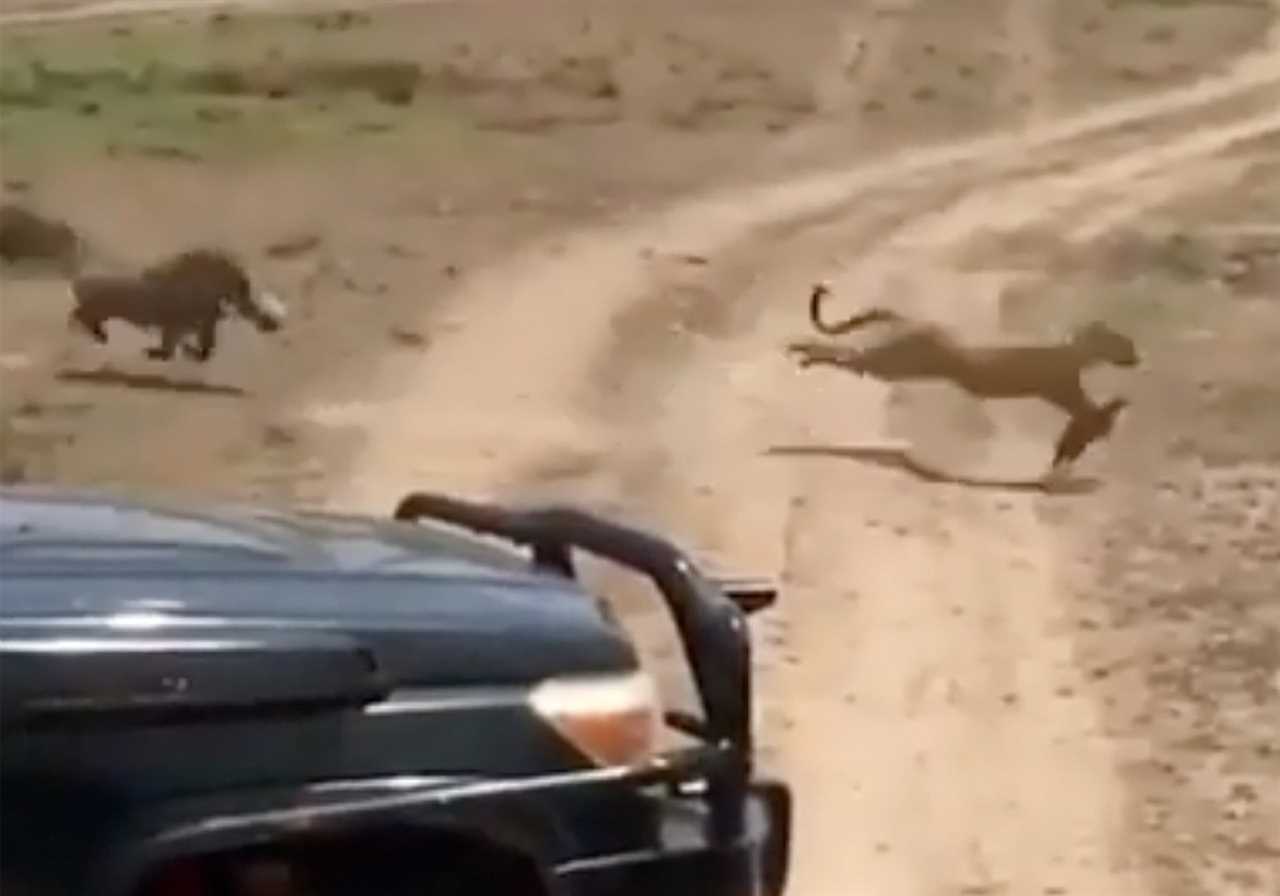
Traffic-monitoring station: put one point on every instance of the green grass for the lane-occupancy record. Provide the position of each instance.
(199, 91)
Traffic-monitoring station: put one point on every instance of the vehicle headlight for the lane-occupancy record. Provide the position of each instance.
(612, 719)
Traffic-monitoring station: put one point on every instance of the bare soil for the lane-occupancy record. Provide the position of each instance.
(567, 266)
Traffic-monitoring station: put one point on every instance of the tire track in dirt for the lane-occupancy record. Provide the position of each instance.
(1058, 195)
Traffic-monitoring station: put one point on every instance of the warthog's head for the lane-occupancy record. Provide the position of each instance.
(264, 310)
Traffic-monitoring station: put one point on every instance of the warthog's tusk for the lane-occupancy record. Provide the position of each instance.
(272, 306)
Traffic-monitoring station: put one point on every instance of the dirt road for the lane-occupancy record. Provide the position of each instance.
(921, 692)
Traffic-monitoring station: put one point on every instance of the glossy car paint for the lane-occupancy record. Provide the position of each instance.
(432, 608)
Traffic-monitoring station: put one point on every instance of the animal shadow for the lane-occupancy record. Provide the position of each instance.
(147, 381)
(899, 459)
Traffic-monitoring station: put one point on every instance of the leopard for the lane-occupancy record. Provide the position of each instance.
(926, 350)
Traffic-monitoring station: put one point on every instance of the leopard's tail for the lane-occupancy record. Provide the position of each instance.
(872, 316)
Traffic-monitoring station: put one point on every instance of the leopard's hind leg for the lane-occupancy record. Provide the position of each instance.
(809, 353)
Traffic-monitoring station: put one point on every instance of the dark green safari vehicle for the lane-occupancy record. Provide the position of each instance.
(233, 701)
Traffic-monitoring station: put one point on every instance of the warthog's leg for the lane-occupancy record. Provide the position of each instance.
(169, 337)
(79, 317)
(206, 341)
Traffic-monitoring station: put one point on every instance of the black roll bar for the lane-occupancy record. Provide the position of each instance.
(712, 628)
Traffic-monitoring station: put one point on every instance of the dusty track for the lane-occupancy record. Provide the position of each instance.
(918, 694)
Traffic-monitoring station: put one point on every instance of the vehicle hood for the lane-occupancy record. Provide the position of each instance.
(277, 598)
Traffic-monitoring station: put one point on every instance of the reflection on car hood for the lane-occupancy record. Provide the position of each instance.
(432, 606)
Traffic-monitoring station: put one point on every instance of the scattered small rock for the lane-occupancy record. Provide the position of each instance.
(371, 127)
(408, 338)
(294, 245)
(443, 207)
(218, 114)
(277, 436)
(168, 151)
